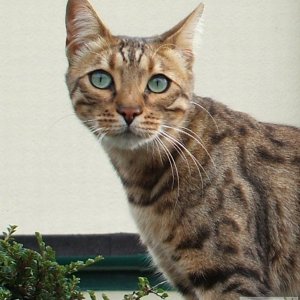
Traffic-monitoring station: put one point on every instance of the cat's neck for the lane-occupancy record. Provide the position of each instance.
(157, 156)
(135, 160)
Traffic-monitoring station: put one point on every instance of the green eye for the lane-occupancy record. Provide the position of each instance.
(101, 79)
(158, 83)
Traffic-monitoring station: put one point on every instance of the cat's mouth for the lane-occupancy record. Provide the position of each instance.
(128, 138)
(125, 140)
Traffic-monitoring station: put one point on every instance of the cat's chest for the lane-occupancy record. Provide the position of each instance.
(158, 234)
(154, 228)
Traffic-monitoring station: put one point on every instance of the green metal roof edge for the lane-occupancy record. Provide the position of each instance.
(116, 273)
(139, 262)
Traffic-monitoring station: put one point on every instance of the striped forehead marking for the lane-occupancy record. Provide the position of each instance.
(131, 51)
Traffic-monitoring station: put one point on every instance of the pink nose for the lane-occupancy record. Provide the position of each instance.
(129, 112)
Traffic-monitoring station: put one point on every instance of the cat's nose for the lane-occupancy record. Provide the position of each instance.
(129, 112)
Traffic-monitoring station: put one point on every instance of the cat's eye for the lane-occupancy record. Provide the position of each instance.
(158, 83)
(101, 79)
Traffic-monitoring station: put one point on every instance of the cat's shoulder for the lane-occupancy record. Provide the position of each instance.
(244, 125)
(219, 109)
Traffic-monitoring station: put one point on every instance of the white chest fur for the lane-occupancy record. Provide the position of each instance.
(155, 230)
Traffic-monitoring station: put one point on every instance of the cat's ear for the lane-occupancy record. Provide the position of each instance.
(183, 34)
(83, 25)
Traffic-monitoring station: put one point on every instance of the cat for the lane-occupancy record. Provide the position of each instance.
(215, 194)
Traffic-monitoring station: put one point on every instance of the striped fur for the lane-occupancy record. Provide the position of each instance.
(215, 193)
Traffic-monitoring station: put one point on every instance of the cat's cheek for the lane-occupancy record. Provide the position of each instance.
(84, 111)
(175, 118)
(180, 104)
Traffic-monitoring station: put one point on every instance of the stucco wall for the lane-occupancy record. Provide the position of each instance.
(54, 177)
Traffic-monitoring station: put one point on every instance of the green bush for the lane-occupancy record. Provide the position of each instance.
(27, 274)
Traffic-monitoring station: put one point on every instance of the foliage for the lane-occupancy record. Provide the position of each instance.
(27, 274)
(144, 290)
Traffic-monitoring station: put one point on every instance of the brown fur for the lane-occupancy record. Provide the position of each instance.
(215, 193)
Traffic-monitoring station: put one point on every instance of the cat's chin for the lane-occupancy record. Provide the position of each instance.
(126, 141)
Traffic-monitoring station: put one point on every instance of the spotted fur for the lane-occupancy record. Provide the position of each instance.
(215, 193)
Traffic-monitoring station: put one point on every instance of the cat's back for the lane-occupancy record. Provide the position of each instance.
(267, 155)
(273, 143)
(286, 138)
(264, 159)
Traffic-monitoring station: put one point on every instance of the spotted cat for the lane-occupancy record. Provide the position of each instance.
(215, 193)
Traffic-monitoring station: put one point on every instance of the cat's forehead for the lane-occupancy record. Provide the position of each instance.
(132, 50)
(132, 55)
(136, 58)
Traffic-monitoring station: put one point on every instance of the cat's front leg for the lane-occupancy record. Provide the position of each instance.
(238, 285)
(186, 290)
(214, 279)
(232, 290)
(234, 295)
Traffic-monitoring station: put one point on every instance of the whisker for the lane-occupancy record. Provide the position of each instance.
(182, 155)
(158, 150)
(60, 119)
(199, 105)
(95, 130)
(167, 152)
(172, 164)
(100, 137)
(194, 138)
(196, 162)
(91, 120)
(100, 133)
(179, 151)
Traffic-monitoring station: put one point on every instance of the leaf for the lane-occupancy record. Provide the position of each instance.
(27, 274)
(104, 297)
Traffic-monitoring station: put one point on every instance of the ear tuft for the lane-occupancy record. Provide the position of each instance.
(183, 34)
(82, 24)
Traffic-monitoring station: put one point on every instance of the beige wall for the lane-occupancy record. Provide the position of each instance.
(54, 177)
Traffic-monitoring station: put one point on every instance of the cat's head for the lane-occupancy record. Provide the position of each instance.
(128, 91)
